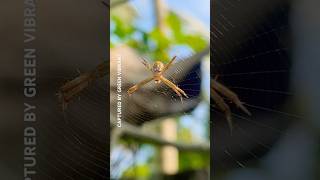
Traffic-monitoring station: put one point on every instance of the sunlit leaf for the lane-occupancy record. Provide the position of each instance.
(139, 171)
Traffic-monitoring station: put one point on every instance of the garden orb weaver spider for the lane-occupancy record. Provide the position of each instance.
(158, 68)
(217, 89)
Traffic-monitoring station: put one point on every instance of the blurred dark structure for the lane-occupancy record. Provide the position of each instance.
(251, 46)
(70, 35)
(267, 52)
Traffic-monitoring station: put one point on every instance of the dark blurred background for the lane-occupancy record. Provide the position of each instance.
(267, 52)
(70, 35)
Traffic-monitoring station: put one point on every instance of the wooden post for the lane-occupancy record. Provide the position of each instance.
(169, 154)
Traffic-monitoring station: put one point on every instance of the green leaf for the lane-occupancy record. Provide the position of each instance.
(122, 30)
(175, 25)
(193, 160)
(139, 171)
(162, 42)
(196, 42)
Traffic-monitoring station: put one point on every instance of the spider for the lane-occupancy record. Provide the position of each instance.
(158, 69)
(216, 90)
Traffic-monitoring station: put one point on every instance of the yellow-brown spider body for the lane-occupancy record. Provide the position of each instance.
(158, 68)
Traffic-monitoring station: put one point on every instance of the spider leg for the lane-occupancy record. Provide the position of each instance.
(72, 88)
(175, 90)
(222, 106)
(137, 86)
(76, 85)
(229, 94)
(146, 64)
(167, 66)
(174, 87)
(182, 92)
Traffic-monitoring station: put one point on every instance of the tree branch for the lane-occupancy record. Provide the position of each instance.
(129, 131)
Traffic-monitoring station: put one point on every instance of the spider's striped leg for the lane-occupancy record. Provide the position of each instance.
(146, 64)
(137, 86)
(72, 88)
(175, 90)
(174, 87)
(229, 94)
(167, 66)
(222, 106)
(182, 92)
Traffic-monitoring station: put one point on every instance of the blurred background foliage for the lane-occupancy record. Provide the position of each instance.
(154, 43)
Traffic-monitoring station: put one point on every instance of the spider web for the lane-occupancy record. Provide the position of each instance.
(191, 84)
(193, 87)
(251, 56)
(72, 143)
(257, 72)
